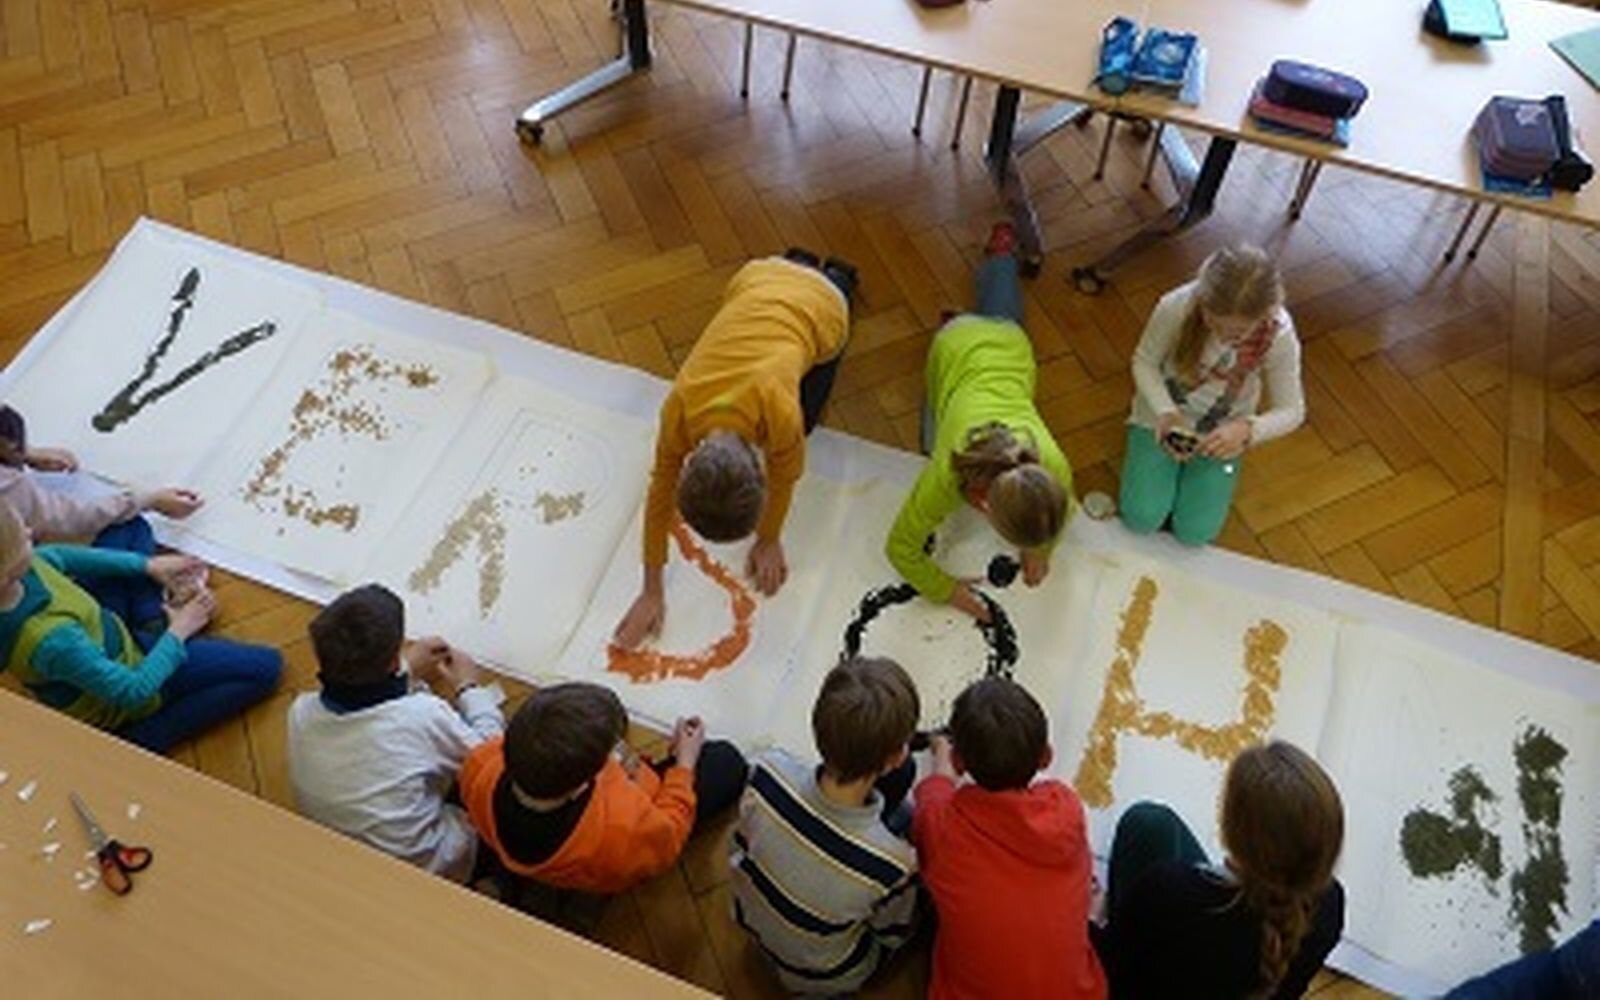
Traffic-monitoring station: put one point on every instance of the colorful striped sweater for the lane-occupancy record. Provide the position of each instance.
(826, 890)
(76, 656)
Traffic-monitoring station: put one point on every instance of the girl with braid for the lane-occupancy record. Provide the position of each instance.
(1199, 371)
(987, 444)
(1260, 923)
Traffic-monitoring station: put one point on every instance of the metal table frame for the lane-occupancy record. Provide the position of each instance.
(1009, 139)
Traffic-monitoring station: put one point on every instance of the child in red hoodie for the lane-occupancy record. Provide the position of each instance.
(1005, 858)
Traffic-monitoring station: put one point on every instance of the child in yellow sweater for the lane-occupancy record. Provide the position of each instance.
(731, 442)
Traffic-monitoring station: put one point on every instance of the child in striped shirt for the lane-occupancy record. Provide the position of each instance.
(820, 881)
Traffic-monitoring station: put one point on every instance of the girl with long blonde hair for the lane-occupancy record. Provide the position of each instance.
(986, 442)
(1260, 923)
(1207, 351)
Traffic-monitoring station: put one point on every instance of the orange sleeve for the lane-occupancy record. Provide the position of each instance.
(660, 505)
(660, 826)
(786, 462)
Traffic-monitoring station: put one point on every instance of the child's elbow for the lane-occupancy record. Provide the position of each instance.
(125, 695)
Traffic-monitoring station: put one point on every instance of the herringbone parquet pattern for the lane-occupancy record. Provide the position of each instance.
(1445, 460)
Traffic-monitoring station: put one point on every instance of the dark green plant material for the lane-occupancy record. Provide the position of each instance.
(1539, 889)
(127, 403)
(999, 634)
(1436, 846)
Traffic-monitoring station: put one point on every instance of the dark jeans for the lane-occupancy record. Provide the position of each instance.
(719, 779)
(895, 787)
(817, 385)
(1148, 834)
(1571, 970)
(815, 388)
(217, 680)
(136, 600)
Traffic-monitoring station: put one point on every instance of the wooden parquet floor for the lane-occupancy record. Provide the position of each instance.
(1445, 460)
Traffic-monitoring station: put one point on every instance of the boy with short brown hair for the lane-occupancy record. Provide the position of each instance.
(730, 443)
(820, 881)
(375, 753)
(1005, 858)
(560, 800)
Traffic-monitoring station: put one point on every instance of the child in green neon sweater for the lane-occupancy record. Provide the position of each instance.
(987, 444)
(86, 632)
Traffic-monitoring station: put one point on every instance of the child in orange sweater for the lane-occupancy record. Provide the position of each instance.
(561, 800)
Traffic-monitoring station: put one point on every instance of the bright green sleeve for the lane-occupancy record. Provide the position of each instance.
(934, 498)
(86, 562)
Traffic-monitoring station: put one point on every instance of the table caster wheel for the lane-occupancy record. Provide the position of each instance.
(1087, 281)
(530, 132)
(1029, 267)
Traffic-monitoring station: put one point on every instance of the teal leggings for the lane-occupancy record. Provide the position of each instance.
(1195, 494)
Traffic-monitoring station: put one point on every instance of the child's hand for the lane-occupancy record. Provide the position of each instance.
(173, 503)
(1228, 441)
(766, 566)
(1164, 426)
(425, 656)
(642, 620)
(965, 598)
(173, 572)
(460, 670)
(688, 736)
(189, 619)
(51, 460)
(1035, 567)
(944, 756)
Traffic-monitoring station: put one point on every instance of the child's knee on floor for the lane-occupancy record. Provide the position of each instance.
(1143, 513)
(1196, 529)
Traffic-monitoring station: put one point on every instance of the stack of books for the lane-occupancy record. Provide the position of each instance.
(1276, 117)
(1165, 61)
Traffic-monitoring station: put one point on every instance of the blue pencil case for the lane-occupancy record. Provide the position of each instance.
(1119, 42)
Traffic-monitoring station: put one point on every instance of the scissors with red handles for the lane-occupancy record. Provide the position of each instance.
(117, 861)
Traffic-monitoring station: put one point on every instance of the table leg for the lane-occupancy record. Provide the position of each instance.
(1009, 140)
(1197, 186)
(961, 113)
(788, 66)
(634, 59)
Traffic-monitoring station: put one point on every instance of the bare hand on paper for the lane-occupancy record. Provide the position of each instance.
(642, 621)
(1035, 567)
(767, 567)
(173, 503)
(965, 598)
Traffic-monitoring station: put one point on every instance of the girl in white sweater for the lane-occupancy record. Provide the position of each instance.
(1198, 370)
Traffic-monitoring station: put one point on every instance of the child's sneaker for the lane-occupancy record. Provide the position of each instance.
(800, 255)
(1002, 240)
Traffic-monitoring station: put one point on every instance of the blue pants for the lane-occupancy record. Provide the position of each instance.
(999, 297)
(1572, 970)
(218, 679)
(1000, 289)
